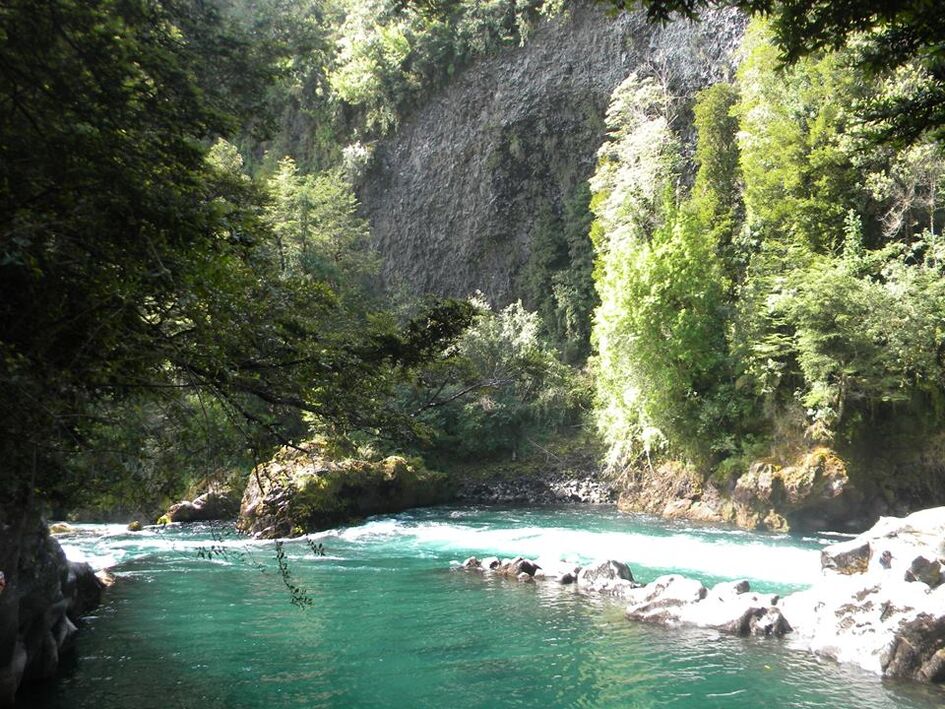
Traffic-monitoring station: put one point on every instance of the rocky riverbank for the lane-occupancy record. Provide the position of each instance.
(546, 489)
(879, 605)
(42, 598)
(813, 491)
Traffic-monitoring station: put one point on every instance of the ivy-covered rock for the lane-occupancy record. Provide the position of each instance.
(303, 490)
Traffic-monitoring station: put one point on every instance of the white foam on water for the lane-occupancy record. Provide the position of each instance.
(693, 551)
(738, 555)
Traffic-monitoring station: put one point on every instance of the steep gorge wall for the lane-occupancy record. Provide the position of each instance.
(453, 196)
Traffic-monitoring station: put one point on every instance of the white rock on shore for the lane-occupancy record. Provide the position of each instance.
(881, 603)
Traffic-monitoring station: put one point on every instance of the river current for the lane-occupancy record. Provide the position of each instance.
(390, 625)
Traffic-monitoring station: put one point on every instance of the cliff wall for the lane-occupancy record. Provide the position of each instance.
(454, 195)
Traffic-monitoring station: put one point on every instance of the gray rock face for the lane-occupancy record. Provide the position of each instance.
(453, 196)
(42, 597)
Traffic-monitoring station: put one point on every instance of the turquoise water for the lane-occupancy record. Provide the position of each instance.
(391, 625)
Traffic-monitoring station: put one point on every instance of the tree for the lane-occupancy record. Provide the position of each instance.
(133, 264)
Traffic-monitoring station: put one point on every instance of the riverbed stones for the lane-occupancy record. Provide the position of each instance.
(608, 570)
(881, 604)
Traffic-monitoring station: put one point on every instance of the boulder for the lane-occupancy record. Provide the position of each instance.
(609, 570)
(513, 568)
(660, 600)
(926, 571)
(729, 607)
(490, 563)
(304, 489)
(41, 601)
(885, 609)
(918, 650)
(88, 589)
(212, 505)
(184, 511)
(850, 557)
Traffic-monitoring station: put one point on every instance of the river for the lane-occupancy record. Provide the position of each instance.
(390, 625)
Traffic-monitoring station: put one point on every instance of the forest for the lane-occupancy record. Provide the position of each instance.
(189, 284)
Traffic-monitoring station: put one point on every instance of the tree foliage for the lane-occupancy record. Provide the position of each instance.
(799, 278)
(137, 263)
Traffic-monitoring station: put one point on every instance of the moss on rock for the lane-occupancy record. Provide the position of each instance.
(768, 496)
(303, 490)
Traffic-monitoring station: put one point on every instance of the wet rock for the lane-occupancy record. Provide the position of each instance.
(42, 598)
(490, 563)
(846, 557)
(660, 600)
(212, 505)
(609, 570)
(471, 563)
(918, 650)
(88, 589)
(889, 616)
(517, 566)
(925, 571)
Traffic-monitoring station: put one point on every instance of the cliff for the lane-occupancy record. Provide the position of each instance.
(453, 196)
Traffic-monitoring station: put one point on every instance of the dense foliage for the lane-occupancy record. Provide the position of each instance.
(799, 280)
(140, 266)
(501, 391)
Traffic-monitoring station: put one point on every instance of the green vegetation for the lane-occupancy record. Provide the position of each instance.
(152, 294)
(558, 276)
(793, 295)
(186, 283)
(503, 389)
(349, 71)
